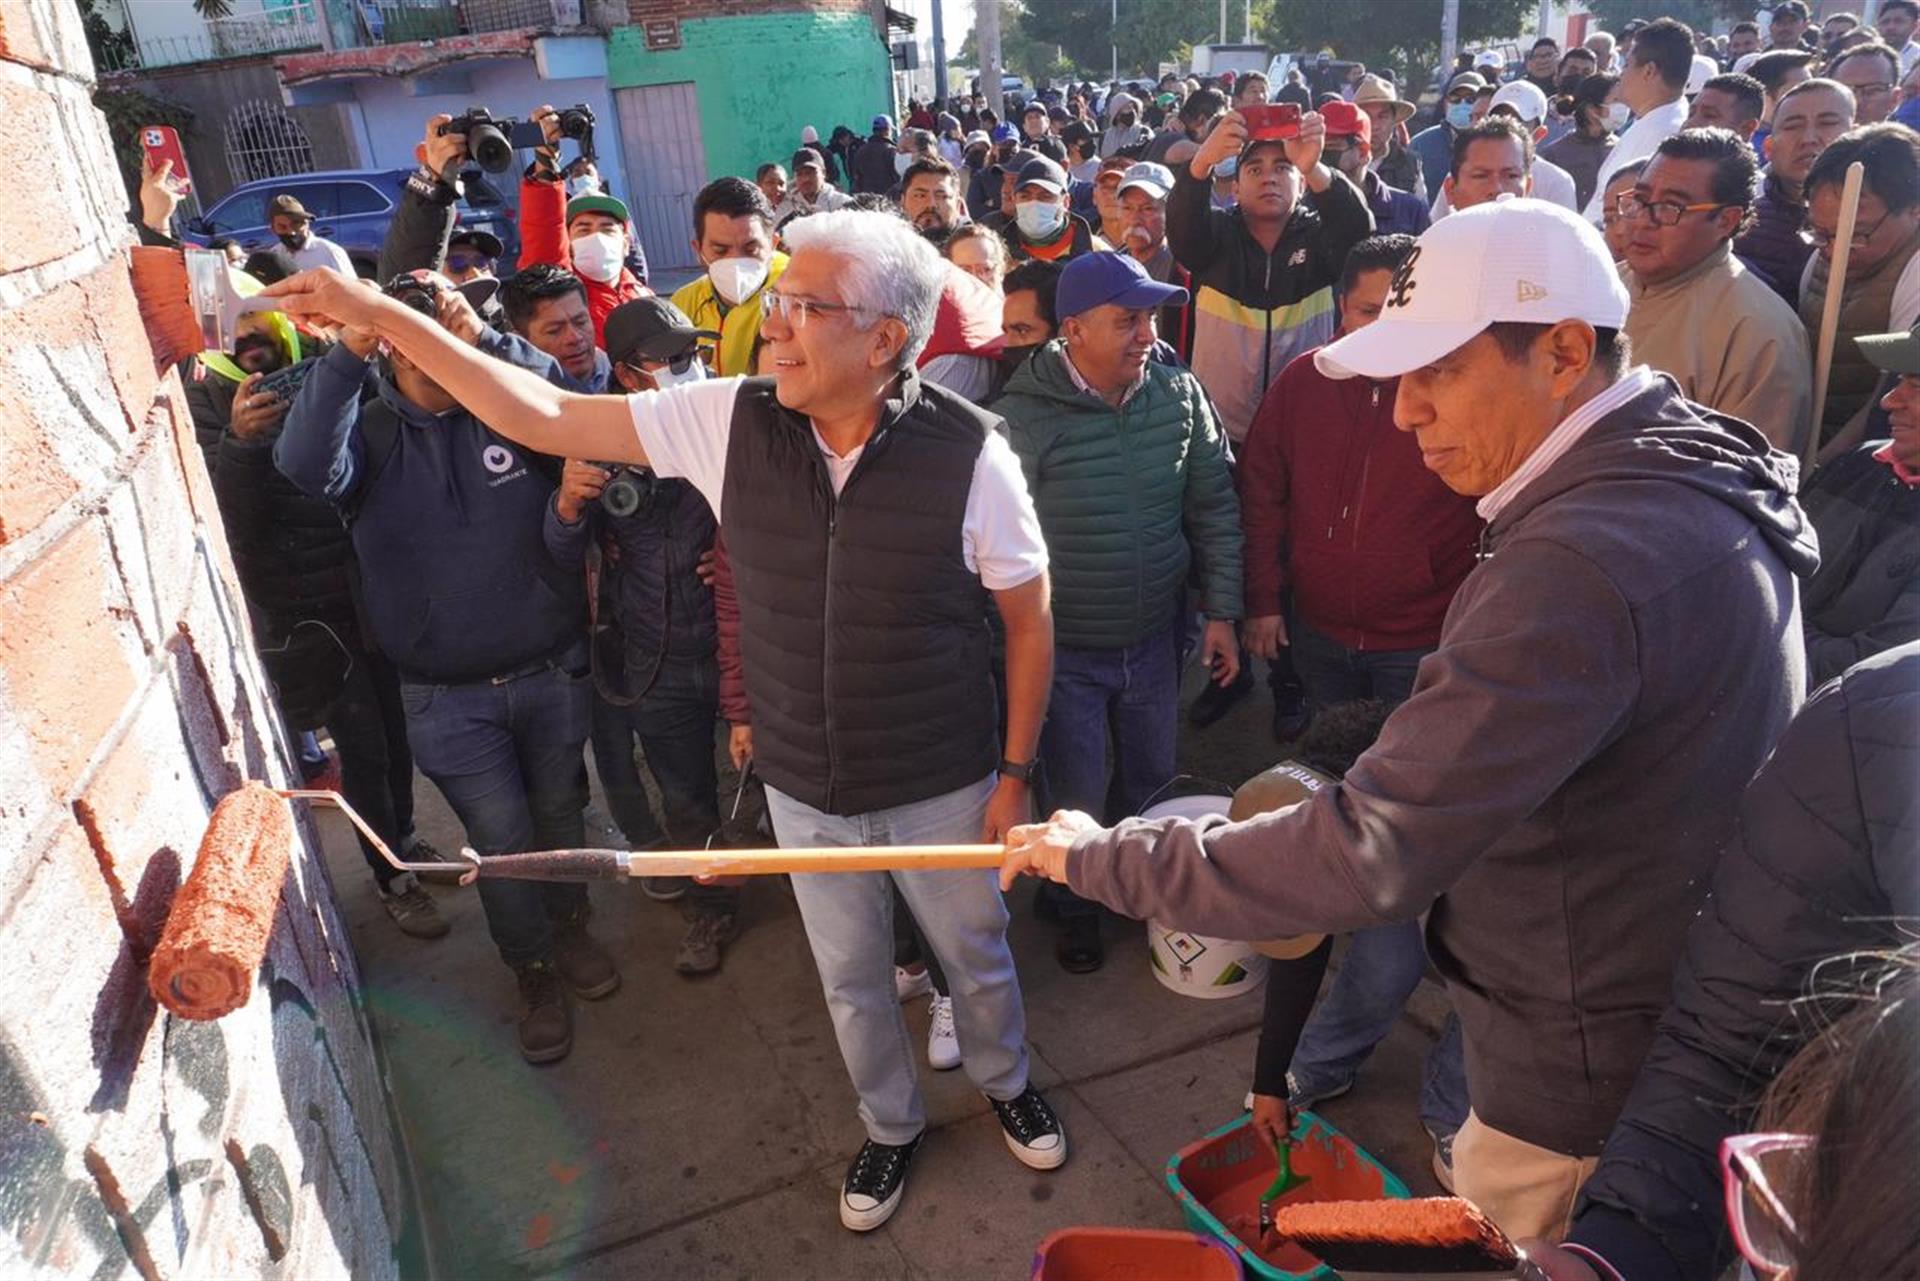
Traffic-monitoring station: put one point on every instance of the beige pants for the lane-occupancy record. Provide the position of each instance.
(1527, 1190)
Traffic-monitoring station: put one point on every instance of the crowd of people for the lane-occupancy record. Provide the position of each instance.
(1495, 441)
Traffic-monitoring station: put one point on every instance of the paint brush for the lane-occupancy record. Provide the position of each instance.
(1284, 1182)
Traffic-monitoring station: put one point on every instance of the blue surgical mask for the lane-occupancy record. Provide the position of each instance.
(1460, 114)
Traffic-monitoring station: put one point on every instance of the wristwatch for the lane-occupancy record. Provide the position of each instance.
(1014, 769)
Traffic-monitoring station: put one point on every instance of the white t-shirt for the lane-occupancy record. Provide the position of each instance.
(321, 252)
(1642, 138)
(684, 432)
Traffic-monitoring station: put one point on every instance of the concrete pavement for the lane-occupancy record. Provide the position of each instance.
(701, 1128)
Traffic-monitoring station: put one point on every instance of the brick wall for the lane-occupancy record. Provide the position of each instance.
(133, 1143)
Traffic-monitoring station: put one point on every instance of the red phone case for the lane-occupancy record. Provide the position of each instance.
(1269, 121)
(162, 142)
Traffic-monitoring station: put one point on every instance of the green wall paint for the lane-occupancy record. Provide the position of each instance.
(760, 79)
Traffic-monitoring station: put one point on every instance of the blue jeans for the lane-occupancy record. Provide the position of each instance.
(1334, 674)
(508, 759)
(674, 722)
(1128, 696)
(1382, 967)
(849, 920)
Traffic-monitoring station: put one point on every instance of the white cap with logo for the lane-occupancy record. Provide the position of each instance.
(1512, 259)
(1523, 98)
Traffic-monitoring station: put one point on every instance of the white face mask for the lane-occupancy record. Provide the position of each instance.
(1039, 219)
(901, 163)
(598, 256)
(664, 377)
(737, 279)
(1617, 115)
(582, 186)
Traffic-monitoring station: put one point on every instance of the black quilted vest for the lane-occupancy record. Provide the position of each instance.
(863, 634)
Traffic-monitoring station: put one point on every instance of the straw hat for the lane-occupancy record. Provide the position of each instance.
(1374, 89)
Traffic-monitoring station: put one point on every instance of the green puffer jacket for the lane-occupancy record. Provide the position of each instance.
(1127, 499)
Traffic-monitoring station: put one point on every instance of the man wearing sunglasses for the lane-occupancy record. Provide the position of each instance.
(1434, 144)
(655, 648)
(1698, 314)
(872, 521)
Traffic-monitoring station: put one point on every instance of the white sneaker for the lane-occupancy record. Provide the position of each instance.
(943, 1043)
(907, 984)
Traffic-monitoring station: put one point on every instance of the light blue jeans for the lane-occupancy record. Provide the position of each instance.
(849, 920)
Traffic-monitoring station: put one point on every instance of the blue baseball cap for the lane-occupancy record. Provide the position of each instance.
(882, 124)
(1095, 279)
(1005, 133)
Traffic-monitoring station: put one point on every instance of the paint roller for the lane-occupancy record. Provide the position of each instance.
(1399, 1240)
(217, 929)
(191, 299)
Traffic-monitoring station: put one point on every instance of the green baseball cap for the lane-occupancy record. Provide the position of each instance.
(1895, 353)
(596, 203)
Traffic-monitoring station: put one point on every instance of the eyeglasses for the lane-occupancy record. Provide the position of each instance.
(1663, 213)
(1873, 90)
(1823, 239)
(1754, 1167)
(794, 309)
(467, 262)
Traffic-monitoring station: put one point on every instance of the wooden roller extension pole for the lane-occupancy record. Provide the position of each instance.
(858, 858)
(1830, 312)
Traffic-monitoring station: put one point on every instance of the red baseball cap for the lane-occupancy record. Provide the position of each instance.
(1346, 120)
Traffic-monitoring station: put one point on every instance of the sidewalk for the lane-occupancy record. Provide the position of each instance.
(701, 1128)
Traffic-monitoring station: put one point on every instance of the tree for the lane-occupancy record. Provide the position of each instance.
(112, 48)
(1611, 15)
(1020, 53)
(1149, 32)
(1401, 35)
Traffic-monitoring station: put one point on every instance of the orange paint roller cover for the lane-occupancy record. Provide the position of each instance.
(216, 933)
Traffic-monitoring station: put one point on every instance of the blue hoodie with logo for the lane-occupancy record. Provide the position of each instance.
(457, 580)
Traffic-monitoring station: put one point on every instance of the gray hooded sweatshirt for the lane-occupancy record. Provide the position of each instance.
(1555, 793)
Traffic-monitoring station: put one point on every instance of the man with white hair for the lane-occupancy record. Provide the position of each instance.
(1552, 796)
(871, 520)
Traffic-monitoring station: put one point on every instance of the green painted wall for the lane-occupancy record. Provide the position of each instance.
(760, 79)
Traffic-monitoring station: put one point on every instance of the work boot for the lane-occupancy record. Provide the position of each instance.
(707, 934)
(411, 909)
(588, 970)
(1217, 700)
(546, 1025)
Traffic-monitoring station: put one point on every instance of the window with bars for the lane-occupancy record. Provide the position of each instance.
(263, 141)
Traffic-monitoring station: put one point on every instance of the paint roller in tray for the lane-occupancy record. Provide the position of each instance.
(218, 927)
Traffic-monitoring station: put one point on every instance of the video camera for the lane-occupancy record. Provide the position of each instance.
(492, 142)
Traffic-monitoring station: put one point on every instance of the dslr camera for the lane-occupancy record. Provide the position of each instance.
(492, 142)
(628, 491)
(576, 122)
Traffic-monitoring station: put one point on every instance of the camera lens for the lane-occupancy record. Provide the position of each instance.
(490, 148)
(621, 497)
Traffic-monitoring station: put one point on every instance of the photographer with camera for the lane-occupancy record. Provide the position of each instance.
(420, 233)
(486, 630)
(656, 674)
(587, 234)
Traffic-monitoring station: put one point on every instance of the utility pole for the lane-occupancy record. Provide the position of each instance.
(1545, 20)
(1449, 37)
(986, 37)
(1113, 42)
(1223, 21)
(939, 54)
(1246, 23)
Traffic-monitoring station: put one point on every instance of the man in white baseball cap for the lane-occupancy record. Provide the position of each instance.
(1554, 794)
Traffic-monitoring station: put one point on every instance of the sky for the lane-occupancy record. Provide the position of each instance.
(958, 15)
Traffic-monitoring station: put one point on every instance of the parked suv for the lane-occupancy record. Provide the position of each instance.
(350, 207)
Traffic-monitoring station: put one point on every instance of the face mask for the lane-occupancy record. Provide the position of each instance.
(664, 377)
(901, 163)
(1460, 114)
(1617, 116)
(736, 279)
(258, 342)
(1015, 357)
(1039, 219)
(598, 257)
(295, 240)
(582, 186)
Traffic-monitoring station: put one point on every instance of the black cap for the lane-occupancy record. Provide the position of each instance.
(650, 329)
(1017, 161)
(1042, 172)
(485, 241)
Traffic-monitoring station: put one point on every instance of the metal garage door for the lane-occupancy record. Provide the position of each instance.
(666, 167)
